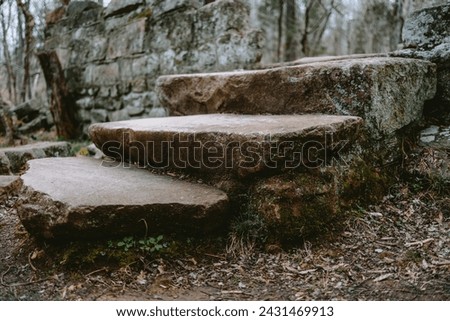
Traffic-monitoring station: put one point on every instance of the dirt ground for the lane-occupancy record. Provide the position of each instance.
(398, 249)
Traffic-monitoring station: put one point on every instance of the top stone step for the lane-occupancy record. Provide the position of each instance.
(388, 93)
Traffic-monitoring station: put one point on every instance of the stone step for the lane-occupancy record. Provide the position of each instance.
(82, 198)
(14, 159)
(388, 93)
(227, 143)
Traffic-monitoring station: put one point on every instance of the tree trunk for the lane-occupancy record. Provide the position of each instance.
(280, 29)
(322, 26)
(290, 52)
(305, 40)
(62, 104)
(29, 39)
(7, 123)
(11, 77)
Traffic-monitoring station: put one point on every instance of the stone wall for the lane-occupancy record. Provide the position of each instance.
(426, 35)
(112, 56)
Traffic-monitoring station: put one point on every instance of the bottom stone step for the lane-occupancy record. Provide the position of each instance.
(82, 198)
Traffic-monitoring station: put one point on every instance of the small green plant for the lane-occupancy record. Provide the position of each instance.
(126, 243)
(146, 244)
(151, 244)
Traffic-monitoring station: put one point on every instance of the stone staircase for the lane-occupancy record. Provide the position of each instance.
(293, 145)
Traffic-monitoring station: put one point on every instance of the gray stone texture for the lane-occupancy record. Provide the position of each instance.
(436, 136)
(116, 7)
(114, 53)
(9, 185)
(426, 36)
(388, 93)
(427, 28)
(296, 172)
(13, 159)
(31, 116)
(83, 198)
(240, 145)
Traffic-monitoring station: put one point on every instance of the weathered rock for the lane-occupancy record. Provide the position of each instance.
(158, 112)
(132, 40)
(156, 37)
(427, 28)
(9, 185)
(30, 116)
(309, 60)
(99, 115)
(95, 152)
(136, 103)
(34, 125)
(388, 93)
(14, 159)
(102, 75)
(26, 111)
(119, 115)
(441, 56)
(80, 198)
(295, 207)
(76, 14)
(436, 136)
(239, 144)
(161, 7)
(116, 7)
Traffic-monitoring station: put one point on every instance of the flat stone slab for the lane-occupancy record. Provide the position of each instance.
(9, 185)
(82, 198)
(13, 159)
(388, 93)
(226, 143)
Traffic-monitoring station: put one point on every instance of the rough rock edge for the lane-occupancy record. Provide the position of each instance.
(217, 98)
(54, 220)
(10, 188)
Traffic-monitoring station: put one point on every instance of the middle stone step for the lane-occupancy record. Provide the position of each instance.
(228, 143)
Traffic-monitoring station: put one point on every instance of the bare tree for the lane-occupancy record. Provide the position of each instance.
(280, 28)
(5, 23)
(315, 21)
(6, 122)
(290, 53)
(62, 104)
(29, 40)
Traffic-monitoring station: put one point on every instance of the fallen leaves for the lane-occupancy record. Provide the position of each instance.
(420, 243)
(382, 277)
(398, 249)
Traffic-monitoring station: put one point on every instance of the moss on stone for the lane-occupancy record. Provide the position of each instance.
(363, 184)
